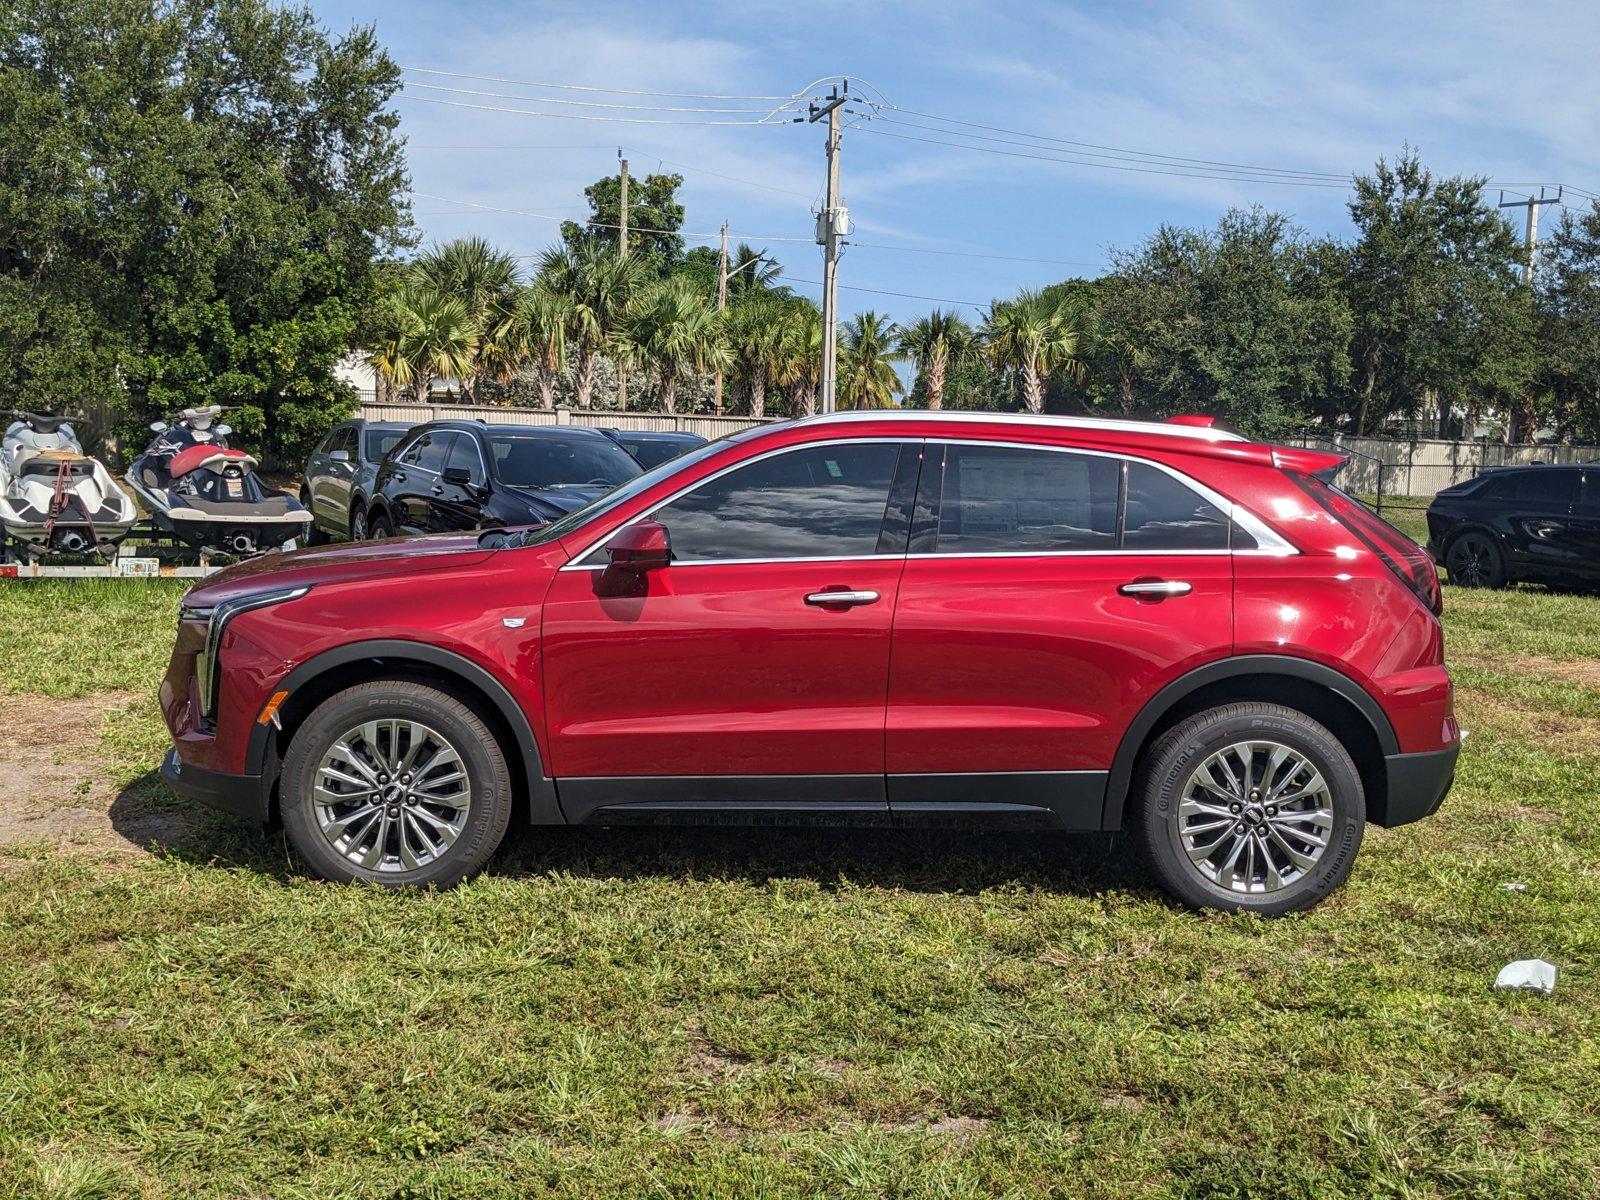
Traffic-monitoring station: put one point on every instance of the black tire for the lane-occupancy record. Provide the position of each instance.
(378, 526)
(1166, 769)
(1473, 560)
(488, 783)
(314, 535)
(358, 522)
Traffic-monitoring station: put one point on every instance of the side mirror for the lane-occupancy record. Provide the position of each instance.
(642, 546)
(158, 426)
(456, 476)
(339, 456)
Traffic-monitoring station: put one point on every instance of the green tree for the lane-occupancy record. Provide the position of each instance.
(429, 336)
(1034, 336)
(1569, 322)
(932, 342)
(868, 349)
(670, 328)
(194, 198)
(654, 218)
(755, 340)
(542, 320)
(596, 286)
(485, 281)
(799, 358)
(1433, 272)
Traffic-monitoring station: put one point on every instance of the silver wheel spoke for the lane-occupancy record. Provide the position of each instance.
(336, 827)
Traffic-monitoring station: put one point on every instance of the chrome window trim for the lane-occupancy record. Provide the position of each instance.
(1269, 543)
(576, 563)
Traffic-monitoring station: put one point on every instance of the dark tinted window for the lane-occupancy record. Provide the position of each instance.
(429, 451)
(1591, 489)
(653, 453)
(1004, 499)
(535, 460)
(1165, 513)
(825, 501)
(465, 454)
(380, 441)
(1551, 486)
(334, 440)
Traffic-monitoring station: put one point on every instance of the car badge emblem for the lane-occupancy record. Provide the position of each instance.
(513, 622)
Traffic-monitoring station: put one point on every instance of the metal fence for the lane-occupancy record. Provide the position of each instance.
(417, 414)
(1387, 467)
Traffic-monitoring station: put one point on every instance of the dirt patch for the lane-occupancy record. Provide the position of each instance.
(1581, 671)
(53, 784)
(716, 1062)
(947, 1126)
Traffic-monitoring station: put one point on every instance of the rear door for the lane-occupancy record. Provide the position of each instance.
(1586, 524)
(1048, 594)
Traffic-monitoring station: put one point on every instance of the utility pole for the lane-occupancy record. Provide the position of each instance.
(622, 250)
(832, 225)
(722, 298)
(1532, 204)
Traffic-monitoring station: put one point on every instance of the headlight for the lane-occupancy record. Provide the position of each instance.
(217, 618)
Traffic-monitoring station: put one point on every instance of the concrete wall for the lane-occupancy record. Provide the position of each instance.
(417, 414)
(1425, 466)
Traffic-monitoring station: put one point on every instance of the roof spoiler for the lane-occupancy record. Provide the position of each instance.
(1321, 463)
(1196, 420)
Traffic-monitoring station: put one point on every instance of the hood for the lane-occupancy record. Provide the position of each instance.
(535, 505)
(341, 563)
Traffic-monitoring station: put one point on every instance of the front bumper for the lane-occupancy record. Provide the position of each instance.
(1416, 785)
(238, 795)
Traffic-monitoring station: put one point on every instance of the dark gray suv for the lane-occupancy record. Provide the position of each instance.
(339, 476)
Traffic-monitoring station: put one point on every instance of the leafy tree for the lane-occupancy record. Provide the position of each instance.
(671, 328)
(1433, 272)
(597, 285)
(932, 342)
(1569, 322)
(654, 218)
(432, 336)
(1034, 336)
(799, 370)
(754, 327)
(485, 281)
(868, 348)
(194, 199)
(542, 320)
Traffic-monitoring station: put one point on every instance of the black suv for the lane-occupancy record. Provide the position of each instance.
(452, 475)
(339, 476)
(1540, 523)
(652, 447)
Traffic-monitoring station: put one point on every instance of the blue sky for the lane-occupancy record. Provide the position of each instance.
(1503, 90)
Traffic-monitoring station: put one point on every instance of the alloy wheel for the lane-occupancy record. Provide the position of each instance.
(1255, 816)
(358, 526)
(1470, 563)
(391, 795)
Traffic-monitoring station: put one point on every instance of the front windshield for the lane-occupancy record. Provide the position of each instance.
(540, 461)
(540, 534)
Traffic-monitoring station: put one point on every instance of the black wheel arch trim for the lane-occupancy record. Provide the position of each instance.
(1162, 702)
(543, 808)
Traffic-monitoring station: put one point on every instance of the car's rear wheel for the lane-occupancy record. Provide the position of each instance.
(1250, 807)
(1474, 561)
(378, 527)
(358, 522)
(395, 783)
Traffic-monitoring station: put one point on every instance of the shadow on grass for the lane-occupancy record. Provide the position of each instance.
(151, 816)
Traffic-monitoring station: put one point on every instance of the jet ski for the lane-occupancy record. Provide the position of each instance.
(207, 494)
(54, 498)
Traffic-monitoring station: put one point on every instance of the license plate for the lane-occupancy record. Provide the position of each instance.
(138, 566)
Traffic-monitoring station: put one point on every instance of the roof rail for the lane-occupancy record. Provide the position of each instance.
(1045, 420)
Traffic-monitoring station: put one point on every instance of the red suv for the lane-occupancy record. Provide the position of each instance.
(1055, 622)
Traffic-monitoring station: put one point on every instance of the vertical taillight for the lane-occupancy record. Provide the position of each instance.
(1400, 554)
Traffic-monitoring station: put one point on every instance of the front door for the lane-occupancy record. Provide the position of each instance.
(730, 678)
(458, 505)
(1047, 596)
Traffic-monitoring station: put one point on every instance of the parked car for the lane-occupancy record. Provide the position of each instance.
(651, 448)
(1060, 623)
(453, 475)
(340, 473)
(1538, 523)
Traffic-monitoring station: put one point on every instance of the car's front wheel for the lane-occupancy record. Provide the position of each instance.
(395, 783)
(1250, 807)
(1474, 561)
(314, 535)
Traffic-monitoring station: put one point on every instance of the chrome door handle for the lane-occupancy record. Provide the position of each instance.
(841, 599)
(1155, 587)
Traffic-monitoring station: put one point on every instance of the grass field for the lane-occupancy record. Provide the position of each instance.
(791, 1013)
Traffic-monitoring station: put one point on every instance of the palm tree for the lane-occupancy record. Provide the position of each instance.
(485, 281)
(671, 327)
(754, 327)
(933, 343)
(753, 270)
(597, 285)
(800, 355)
(542, 320)
(1035, 336)
(427, 336)
(866, 378)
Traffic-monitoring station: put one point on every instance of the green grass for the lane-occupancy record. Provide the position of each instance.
(791, 1013)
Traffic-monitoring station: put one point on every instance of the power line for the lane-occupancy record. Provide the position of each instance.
(1022, 258)
(544, 216)
(881, 292)
(562, 116)
(580, 87)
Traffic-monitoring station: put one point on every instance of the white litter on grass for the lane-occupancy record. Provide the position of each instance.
(1516, 885)
(1531, 974)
